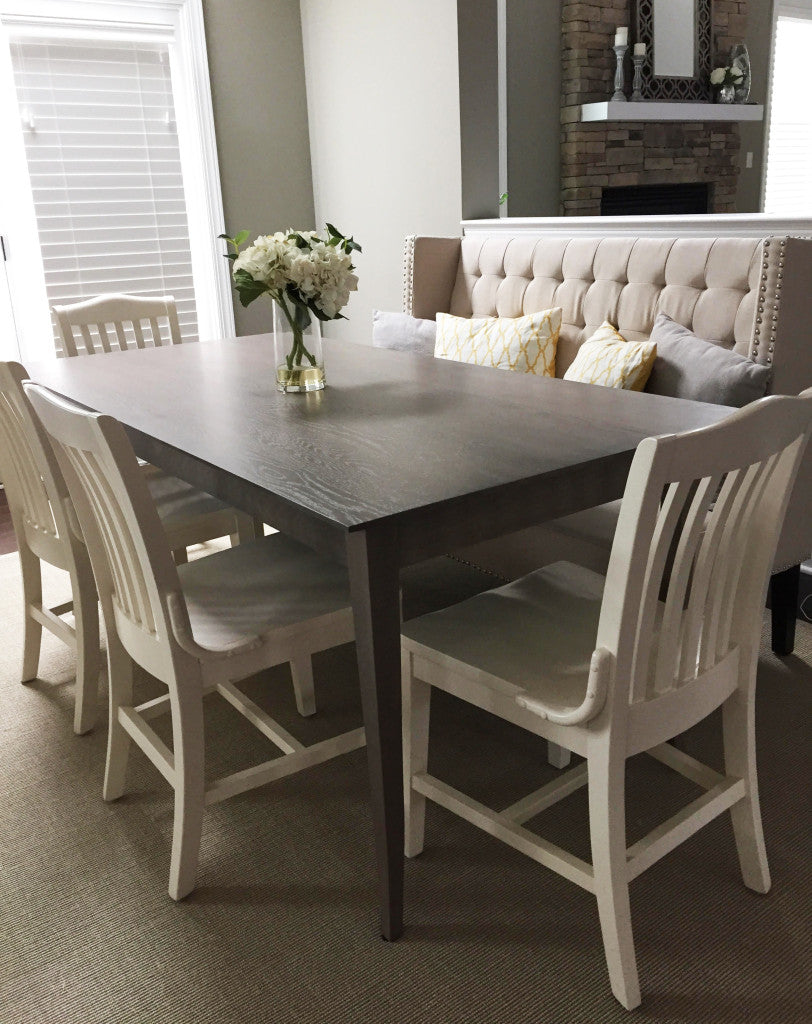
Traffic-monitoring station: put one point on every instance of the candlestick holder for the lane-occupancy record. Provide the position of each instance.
(637, 83)
(620, 53)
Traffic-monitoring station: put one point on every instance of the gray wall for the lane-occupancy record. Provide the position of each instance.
(759, 41)
(533, 98)
(260, 115)
(479, 107)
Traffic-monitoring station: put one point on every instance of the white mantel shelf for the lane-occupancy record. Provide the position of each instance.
(614, 110)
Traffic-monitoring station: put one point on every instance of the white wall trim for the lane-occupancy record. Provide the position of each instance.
(744, 225)
(215, 308)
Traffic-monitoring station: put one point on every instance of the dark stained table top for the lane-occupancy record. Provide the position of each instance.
(465, 452)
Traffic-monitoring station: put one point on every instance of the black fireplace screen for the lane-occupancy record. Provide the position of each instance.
(631, 200)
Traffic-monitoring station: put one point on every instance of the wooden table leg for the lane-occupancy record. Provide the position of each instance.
(373, 568)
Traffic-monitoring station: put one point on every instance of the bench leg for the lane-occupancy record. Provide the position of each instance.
(784, 601)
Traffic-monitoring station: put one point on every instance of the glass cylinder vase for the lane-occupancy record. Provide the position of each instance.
(298, 355)
(726, 94)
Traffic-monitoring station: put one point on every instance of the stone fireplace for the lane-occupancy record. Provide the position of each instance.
(597, 156)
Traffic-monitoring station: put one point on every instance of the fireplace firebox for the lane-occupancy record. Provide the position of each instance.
(633, 200)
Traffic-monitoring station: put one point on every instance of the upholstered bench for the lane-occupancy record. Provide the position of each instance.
(752, 296)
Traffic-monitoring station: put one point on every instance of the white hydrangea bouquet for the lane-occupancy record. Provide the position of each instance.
(732, 74)
(309, 277)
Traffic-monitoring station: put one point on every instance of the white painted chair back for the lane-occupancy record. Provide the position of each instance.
(695, 540)
(128, 547)
(118, 321)
(35, 489)
(46, 529)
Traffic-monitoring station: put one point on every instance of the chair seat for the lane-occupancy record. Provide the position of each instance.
(245, 592)
(178, 501)
(595, 525)
(534, 636)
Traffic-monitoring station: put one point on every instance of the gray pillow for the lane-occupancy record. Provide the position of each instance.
(690, 367)
(403, 332)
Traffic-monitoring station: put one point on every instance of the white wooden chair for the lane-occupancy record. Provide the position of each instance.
(46, 529)
(121, 321)
(118, 321)
(197, 627)
(41, 515)
(612, 667)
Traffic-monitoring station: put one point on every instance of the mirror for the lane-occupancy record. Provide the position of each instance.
(674, 42)
(677, 34)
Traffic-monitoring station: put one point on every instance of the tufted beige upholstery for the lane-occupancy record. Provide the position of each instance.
(708, 284)
(753, 295)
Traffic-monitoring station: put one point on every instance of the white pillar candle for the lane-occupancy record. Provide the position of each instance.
(622, 37)
(639, 49)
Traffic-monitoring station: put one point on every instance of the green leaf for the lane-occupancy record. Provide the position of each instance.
(240, 237)
(247, 288)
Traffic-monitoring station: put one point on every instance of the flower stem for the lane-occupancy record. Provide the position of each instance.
(298, 352)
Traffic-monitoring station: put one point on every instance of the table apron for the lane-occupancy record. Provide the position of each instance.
(458, 523)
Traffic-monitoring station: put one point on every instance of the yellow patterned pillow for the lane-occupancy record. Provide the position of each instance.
(608, 359)
(525, 344)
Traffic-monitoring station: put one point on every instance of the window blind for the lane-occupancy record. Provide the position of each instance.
(104, 162)
(788, 186)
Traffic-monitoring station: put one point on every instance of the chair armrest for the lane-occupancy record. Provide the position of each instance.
(429, 272)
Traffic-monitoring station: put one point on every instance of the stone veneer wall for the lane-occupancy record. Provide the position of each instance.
(595, 155)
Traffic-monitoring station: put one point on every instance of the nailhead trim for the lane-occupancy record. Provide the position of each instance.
(408, 274)
(773, 315)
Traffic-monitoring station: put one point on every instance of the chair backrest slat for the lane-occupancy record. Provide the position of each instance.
(156, 331)
(763, 480)
(128, 578)
(121, 337)
(87, 338)
(688, 574)
(34, 485)
(668, 664)
(730, 525)
(125, 314)
(696, 615)
(655, 567)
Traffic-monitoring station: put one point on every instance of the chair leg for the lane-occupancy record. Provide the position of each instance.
(558, 757)
(190, 791)
(32, 595)
(88, 654)
(738, 729)
(301, 671)
(247, 528)
(120, 683)
(416, 713)
(607, 826)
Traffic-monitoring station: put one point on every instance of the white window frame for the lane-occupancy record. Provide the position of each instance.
(794, 9)
(195, 121)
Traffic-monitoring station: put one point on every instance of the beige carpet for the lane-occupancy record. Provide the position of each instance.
(283, 925)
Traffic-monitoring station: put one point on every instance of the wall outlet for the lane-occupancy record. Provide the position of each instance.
(748, 160)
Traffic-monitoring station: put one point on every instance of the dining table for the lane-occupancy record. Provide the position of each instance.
(400, 458)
